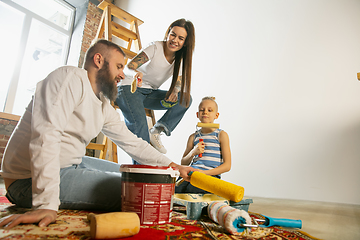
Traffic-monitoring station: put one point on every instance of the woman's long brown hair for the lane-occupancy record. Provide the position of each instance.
(184, 54)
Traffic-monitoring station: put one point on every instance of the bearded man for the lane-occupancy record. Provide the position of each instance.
(44, 165)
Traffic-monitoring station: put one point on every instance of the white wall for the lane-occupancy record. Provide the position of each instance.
(284, 75)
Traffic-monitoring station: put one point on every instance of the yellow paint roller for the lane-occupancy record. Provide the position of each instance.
(113, 225)
(208, 125)
(217, 186)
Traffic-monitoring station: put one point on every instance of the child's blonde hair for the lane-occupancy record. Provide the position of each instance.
(209, 98)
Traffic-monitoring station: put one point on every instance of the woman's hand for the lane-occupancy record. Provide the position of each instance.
(139, 76)
(42, 216)
(173, 96)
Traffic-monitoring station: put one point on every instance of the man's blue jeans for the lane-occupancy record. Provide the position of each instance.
(94, 184)
(132, 106)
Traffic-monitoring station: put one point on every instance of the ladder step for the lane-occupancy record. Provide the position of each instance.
(119, 13)
(96, 146)
(129, 54)
(122, 32)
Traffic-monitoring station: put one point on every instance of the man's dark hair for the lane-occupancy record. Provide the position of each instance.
(103, 47)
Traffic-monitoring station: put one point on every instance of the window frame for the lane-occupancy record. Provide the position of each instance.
(28, 18)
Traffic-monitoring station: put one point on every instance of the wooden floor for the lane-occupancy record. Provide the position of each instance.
(328, 221)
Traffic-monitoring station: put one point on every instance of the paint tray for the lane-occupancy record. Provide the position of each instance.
(195, 203)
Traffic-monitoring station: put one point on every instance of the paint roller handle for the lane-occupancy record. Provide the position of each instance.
(201, 140)
(281, 222)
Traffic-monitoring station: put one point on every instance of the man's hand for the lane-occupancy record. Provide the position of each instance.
(184, 170)
(42, 216)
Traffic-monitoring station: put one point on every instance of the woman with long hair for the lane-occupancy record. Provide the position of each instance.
(154, 65)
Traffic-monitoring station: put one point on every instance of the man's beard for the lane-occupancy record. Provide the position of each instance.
(106, 83)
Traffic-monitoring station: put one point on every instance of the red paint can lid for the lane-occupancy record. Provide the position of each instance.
(134, 168)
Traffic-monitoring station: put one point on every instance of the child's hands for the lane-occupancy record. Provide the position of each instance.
(199, 148)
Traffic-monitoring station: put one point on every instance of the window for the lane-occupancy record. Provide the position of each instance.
(38, 39)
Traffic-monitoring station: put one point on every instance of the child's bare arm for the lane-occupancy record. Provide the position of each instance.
(226, 155)
(191, 151)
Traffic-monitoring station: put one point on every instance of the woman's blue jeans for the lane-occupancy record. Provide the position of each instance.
(94, 184)
(132, 106)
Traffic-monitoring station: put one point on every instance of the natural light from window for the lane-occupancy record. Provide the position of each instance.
(38, 44)
(50, 10)
(9, 46)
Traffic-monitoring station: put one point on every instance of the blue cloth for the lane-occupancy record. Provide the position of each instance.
(94, 184)
(187, 187)
(132, 106)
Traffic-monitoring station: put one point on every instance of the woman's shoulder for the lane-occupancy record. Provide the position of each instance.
(154, 44)
(152, 48)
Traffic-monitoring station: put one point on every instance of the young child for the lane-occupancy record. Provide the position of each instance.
(215, 148)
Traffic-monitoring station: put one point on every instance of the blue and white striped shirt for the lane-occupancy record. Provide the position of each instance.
(211, 158)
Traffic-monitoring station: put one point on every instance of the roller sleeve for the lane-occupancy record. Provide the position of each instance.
(217, 186)
(228, 217)
(113, 225)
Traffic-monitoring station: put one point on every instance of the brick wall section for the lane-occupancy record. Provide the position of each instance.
(92, 22)
(7, 126)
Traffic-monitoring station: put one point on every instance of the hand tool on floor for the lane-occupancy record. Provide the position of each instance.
(236, 221)
(228, 217)
(113, 225)
(281, 222)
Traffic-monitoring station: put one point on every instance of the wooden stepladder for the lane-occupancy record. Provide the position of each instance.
(128, 34)
(109, 28)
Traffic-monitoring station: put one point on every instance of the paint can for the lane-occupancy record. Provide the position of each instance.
(148, 191)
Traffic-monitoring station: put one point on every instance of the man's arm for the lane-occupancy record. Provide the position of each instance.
(54, 101)
(136, 147)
